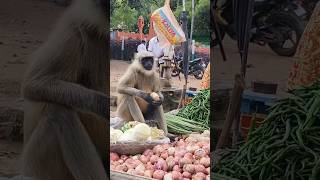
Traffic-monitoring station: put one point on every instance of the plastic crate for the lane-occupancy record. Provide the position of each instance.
(253, 102)
(246, 120)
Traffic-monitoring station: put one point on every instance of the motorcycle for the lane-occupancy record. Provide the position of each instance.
(309, 6)
(196, 67)
(274, 23)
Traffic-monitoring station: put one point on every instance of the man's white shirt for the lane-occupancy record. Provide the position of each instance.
(142, 47)
(156, 49)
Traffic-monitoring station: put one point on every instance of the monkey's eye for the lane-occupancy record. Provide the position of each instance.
(146, 59)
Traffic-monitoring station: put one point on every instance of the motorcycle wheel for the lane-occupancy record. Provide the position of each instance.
(175, 72)
(214, 39)
(286, 22)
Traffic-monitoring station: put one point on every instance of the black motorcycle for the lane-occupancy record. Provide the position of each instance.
(196, 67)
(274, 22)
(309, 6)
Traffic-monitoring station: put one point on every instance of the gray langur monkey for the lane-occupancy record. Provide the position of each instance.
(65, 127)
(134, 88)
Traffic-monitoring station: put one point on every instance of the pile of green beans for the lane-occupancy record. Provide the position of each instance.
(199, 109)
(285, 146)
(180, 125)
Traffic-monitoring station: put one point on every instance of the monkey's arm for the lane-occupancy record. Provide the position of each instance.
(126, 86)
(66, 93)
(159, 117)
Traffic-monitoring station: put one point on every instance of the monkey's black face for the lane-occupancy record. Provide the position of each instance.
(147, 63)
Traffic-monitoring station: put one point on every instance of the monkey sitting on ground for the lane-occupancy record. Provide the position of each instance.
(135, 102)
(65, 127)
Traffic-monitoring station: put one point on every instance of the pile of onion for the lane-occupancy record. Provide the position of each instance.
(184, 159)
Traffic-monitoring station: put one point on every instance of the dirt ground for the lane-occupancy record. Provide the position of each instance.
(25, 25)
(263, 64)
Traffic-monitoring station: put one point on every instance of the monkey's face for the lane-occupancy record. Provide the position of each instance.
(147, 63)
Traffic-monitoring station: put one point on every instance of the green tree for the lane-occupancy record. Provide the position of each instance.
(123, 16)
(202, 18)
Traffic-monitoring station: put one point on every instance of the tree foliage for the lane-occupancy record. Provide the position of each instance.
(125, 13)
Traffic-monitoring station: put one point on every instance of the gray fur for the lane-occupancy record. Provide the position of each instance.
(65, 132)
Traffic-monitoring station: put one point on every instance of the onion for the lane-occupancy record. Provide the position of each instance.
(168, 176)
(176, 160)
(165, 146)
(207, 148)
(192, 148)
(158, 174)
(197, 161)
(184, 161)
(186, 174)
(113, 167)
(208, 177)
(130, 166)
(121, 161)
(188, 155)
(136, 157)
(199, 153)
(144, 159)
(181, 143)
(204, 139)
(200, 168)
(137, 162)
(176, 168)
(189, 168)
(170, 162)
(176, 175)
(148, 152)
(164, 155)
(115, 163)
(149, 166)
(158, 149)
(201, 144)
(205, 162)
(180, 153)
(161, 165)
(124, 157)
(206, 133)
(208, 171)
(114, 157)
(140, 173)
(132, 171)
(191, 139)
(122, 168)
(154, 159)
(199, 176)
(186, 179)
(171, 151)
(140, 167)
(148, 173)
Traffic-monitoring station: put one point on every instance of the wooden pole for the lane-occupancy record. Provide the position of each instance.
(234, 105)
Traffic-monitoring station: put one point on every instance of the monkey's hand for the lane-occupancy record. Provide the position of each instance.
(146, 97)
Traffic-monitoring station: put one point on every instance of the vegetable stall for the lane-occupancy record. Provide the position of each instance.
(140, 151)
(285, 145)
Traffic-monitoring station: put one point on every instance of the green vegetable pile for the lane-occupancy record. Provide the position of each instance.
(180, 125)
(285, 146)
(199, 109)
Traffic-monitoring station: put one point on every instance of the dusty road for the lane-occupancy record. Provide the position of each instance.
(263, 64)
(25, 25)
